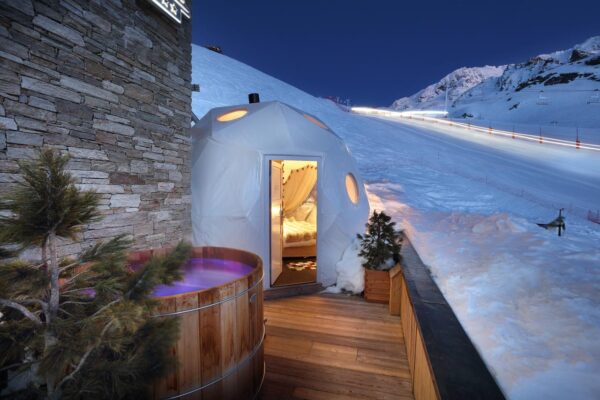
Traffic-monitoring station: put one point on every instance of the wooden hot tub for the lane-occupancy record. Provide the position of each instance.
(220, 349)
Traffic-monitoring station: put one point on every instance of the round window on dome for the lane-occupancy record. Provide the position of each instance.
(352, 188)
(315, 121)
(232, 115)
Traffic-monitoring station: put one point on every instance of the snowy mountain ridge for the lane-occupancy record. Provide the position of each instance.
(581, 58)
(591, 46)
(559, 88)
(456, 82)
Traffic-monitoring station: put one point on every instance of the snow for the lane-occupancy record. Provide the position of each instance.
(351, 274)
(529, 300)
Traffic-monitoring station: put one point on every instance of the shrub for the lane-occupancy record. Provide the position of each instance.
(79, 328)
(380, 243)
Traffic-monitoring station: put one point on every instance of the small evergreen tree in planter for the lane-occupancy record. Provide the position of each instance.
(75, 328)
(380, 247)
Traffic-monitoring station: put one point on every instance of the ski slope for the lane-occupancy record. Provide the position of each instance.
(529, 300)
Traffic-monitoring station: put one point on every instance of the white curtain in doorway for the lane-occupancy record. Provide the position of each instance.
(298, 185)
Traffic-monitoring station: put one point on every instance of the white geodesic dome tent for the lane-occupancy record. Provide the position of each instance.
(232, 147)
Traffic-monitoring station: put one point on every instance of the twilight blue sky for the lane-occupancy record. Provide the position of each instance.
(375, 51)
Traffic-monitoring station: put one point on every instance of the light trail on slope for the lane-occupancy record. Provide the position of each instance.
(422, 115)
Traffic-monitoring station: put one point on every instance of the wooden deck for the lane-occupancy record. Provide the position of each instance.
(333, 347)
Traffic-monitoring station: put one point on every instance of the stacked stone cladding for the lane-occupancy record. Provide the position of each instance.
(107, 82)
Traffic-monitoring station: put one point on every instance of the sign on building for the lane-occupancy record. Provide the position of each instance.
(175, 9)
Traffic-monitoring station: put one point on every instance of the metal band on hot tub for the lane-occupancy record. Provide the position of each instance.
(230, 372)
(225, 300)
(238, 365)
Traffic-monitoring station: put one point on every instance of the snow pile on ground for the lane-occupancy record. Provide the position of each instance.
(457, 82)
(350, 272)
(561, 88)
(529, 300)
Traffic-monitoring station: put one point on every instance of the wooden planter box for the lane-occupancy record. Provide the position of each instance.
(384, 287)
(377, 286)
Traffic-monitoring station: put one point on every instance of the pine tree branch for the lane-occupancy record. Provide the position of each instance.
(74, 302)
(22, 309)
(19, 364)
(65, 311)
(104, 307)
(77, 290)
(84, 358)
(53, 304)
(41, 303)
(76, 370)
(66, 267)
(138, 283)
(77, 275)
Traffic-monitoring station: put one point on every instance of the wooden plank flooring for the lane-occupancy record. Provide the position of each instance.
(334, 347)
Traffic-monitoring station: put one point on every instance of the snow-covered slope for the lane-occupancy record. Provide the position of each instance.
(530, 301)
(433, 97)
(561, 88)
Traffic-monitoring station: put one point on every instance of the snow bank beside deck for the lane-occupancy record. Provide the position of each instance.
(527, 298)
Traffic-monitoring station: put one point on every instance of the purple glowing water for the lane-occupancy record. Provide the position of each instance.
(204, 273)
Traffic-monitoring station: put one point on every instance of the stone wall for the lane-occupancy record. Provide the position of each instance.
(108, 83)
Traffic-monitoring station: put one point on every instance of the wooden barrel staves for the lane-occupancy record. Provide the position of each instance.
(220, 349)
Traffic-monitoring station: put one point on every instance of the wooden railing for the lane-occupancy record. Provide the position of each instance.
(444, 363)
(423, 380)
